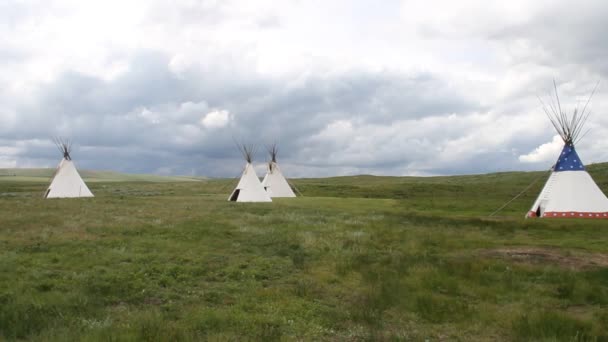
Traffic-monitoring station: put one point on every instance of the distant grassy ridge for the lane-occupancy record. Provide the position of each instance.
(469, 194)
(598, 171)
(329, 185)
(45, 174)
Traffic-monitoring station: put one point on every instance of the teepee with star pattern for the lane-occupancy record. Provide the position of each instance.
(570, 192)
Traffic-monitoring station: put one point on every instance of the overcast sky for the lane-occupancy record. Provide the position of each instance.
(344, 87)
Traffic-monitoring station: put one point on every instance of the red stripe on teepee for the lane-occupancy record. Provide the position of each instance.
(572, 214)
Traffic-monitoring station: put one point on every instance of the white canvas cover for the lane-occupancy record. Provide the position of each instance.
(249, 188)
(275, 183)
(67, 182)
(570, 191)
(570, 194)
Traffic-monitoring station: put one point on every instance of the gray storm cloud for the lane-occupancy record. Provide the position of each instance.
(149, 117)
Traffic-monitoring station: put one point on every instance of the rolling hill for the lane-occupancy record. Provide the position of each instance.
(45, 174)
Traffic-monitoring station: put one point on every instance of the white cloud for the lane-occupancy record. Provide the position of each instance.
(8, 156)
(216, 119)
(340, 129)
(7, 163)
(544, 153)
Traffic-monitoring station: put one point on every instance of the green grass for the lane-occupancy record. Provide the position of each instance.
(356, 258)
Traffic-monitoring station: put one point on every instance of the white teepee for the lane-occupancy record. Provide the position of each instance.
(274, 182)
(249, 188)
(66, 180)
(570, 190)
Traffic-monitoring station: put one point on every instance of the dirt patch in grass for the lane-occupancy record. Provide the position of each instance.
(547, 255)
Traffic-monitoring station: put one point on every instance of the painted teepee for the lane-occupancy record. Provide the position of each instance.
(570, 190)
(66, 181)
(249, 188)
(274, 182)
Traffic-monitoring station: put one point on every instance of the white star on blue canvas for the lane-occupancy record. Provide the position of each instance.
(569, 160)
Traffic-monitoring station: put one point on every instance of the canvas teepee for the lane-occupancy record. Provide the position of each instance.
(570, 190)
(274, 182)
(249, 188)
(66, 180)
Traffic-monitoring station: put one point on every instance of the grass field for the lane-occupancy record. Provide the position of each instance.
(355, 258)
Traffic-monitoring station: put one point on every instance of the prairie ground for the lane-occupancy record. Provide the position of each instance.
(355, 258)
